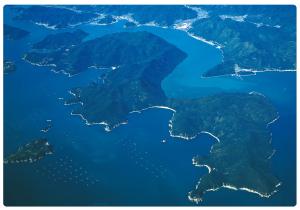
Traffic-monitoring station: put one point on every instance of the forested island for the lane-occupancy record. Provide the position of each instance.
(30, 152)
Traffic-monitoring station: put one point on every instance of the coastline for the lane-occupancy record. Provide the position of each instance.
(231, 187)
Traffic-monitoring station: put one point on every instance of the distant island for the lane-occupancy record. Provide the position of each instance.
(53, 49)
(64, 16)
(31, 152)
(104, 14)
(14, 33)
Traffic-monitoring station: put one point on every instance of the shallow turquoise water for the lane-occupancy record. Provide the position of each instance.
(131, 164)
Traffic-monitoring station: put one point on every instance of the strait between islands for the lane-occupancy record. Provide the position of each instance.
(134, 64)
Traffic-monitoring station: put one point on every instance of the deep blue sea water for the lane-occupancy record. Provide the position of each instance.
(130, 165)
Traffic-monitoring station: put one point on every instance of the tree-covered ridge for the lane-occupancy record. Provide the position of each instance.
(53, 17)
(143, 61)
(61, 40)
(241, 157)
(113, 50)
(135, 63)
(255, 37)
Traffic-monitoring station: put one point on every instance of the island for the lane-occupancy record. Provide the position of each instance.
(70, 15)
(109, 51)
(14, 33)
(249, 41)
(9, 66)
(53, 47)
(139, 62)
(144, 14)
(240, 158)
(64, 17)
(31, 152)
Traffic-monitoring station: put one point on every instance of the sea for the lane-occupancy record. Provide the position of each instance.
(137, 164)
